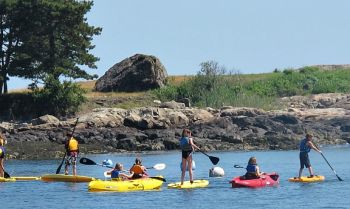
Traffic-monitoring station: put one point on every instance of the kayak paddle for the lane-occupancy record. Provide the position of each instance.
(213, 159)
(64, 156)
(87, 161)
(331, 167)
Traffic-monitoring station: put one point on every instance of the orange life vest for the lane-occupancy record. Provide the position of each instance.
(137, 169)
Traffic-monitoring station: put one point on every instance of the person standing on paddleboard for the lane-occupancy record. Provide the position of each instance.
(305, 147)
(72, 149)
(2, 154)
(187, 147)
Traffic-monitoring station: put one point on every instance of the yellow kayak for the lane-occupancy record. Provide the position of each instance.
(7, 179)
(66, 178)
(147, 183)
(306, 179)
(187, 184)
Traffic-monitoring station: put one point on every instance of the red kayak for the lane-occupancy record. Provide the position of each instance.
(267, 179)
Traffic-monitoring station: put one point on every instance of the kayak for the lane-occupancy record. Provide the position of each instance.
(146, 183)
(307, 179)
(7, 179)
(26, 178)
(268, 179)
(187, 184)
(66, 178)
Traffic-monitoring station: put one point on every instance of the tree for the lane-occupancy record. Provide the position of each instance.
(45, 38)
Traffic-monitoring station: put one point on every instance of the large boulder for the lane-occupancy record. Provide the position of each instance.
(137, 73)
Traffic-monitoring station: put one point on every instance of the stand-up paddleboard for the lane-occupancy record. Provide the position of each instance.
(26, 178)
(7, 179)
(66, 178)
(307, 179)
(188, 185)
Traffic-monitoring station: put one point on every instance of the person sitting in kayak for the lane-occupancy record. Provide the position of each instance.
(305, 147)
(2, 154)
(72, 149)
(117, 173)
(187, 147)
(253, 170)
(138, 169)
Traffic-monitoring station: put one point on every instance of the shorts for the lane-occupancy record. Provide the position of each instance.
(72, 158)
(186, 154)
(304, 160)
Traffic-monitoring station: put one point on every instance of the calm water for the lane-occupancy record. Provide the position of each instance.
(329, 194)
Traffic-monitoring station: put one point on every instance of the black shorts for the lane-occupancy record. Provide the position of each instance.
(186, 154)
(304, 160)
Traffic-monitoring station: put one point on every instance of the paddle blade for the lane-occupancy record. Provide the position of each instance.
(339, 178)
(237, 166)
(214, 160)
(6, 175)
(158, 178)
(87, 161)
(159, 166)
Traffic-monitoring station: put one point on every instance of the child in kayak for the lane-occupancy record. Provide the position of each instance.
(117, 172)
(305, 147)
(187, 147)
(138, 169)
(253, 170)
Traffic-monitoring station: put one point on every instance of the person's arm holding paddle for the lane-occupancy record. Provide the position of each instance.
(312, 146)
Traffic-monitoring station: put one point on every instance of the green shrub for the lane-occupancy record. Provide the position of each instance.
(59, 99)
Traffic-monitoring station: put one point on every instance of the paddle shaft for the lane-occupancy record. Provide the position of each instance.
(213, 159)
(64, 156)
(331, 167)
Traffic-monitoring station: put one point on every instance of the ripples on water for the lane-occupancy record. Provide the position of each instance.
(219, 194)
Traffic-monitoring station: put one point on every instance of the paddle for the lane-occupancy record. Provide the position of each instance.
(213, 159)
(238, 166)
(331, 167)
(6, 175)
(329, 164)
(87, 161)
(64, 156)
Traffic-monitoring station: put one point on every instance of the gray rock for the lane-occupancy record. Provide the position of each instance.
(137, 73)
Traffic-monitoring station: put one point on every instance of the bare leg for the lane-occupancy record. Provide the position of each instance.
(66, 168)
(189, 161)
(74, 168)
(1, 167)
(311, 171)
(183, 170)
(300, 172)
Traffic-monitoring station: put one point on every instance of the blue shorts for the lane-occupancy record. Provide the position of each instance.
(304, 160)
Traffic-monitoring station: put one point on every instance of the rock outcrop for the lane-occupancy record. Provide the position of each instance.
(159, 128)
(137, 73)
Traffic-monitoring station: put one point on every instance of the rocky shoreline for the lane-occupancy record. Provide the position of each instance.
(158, 128)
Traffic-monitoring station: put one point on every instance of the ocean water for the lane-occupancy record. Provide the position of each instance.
(331, 193)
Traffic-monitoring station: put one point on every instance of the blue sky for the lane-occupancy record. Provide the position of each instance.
(249, 36)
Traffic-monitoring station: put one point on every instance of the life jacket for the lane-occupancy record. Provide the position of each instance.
(185, 144)
(2, 152)
(137, 169)
(304, 147)
(251, 168)
(115, 174)
(72, 145)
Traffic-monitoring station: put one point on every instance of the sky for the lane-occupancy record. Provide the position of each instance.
(245, 36)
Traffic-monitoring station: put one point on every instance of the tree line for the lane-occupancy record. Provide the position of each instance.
(45, 40)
